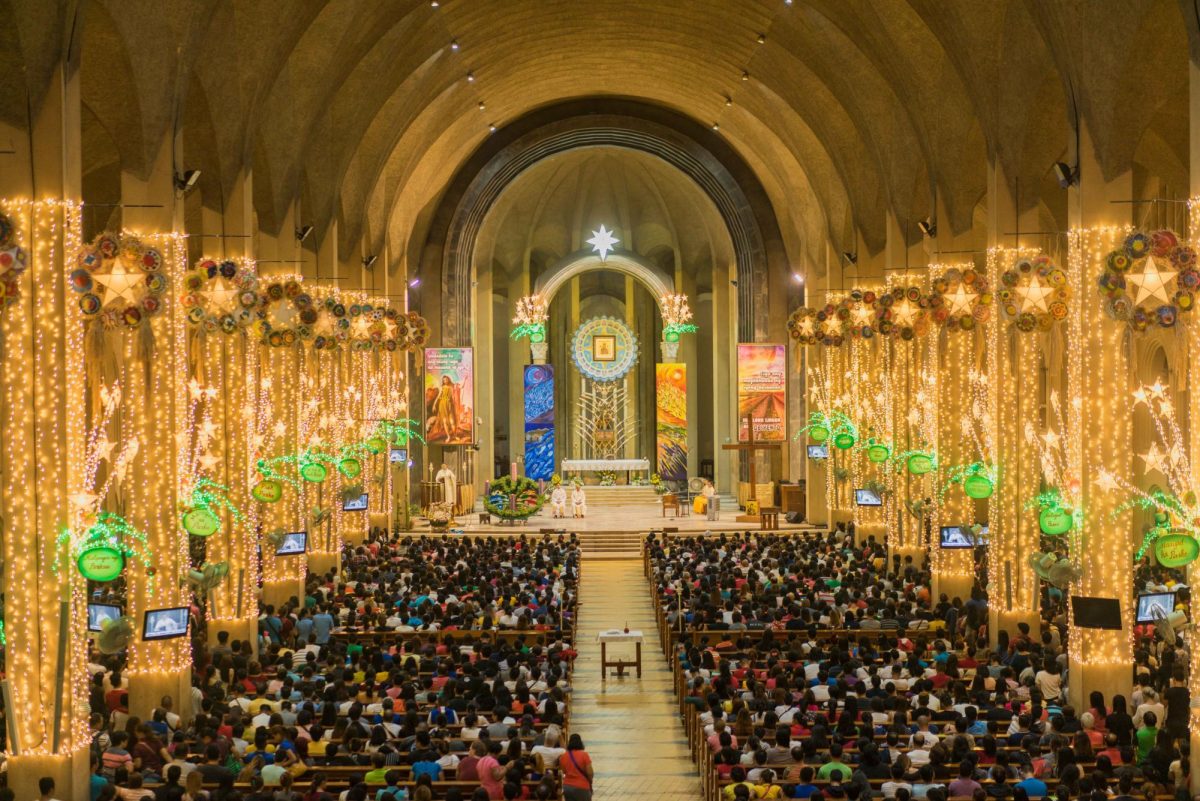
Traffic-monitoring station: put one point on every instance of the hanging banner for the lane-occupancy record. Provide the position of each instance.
(761, 385)
(449, 396)
(671, 396)
(539, 421)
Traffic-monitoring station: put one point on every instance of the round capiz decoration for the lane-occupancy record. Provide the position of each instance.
(412, 331)
(13, 261)
(120, 282)
(856, 312)
(1034, 294)
(903, 312)
(287, 314)
(961, 300)
(220, 295)
(802, 326)
(376, 327)
(1150, 280)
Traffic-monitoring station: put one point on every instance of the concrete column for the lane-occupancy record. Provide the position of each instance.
(1100, 408)
(1194, 394)
(724, 335)
(46, 699)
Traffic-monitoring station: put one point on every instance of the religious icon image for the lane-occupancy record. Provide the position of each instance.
(449, 392)
(604, 348)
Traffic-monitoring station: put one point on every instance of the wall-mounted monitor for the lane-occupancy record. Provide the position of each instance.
(98, 613)
(1152, 606)
(358, 504)
(1096, 613)
(818, 451)
(867, 497)
(956, 537)
(294, 543)
(165, 624)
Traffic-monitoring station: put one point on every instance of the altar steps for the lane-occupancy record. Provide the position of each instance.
(611, 544)
(620, 496)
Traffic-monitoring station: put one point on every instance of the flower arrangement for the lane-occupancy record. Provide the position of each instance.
(659, 487)
(440, 515)
(530, 320)
(514, 499)
(677, 317)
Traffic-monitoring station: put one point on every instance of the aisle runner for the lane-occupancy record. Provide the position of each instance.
(631, 728)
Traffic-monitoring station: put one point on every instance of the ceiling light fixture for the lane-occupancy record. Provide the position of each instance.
(481, 106)
(728, 101)
(745, 75)
(186, 180)
(716, 126)
(434, 4)
(470, 77)
(850, 257)
(414, 283)
(492, 127)
(928, 227)
(454, 45)
(798, 278)
(1067, 175)
(762, 38)
(303, 232)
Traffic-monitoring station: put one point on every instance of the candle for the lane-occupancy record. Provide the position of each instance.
(512, 471)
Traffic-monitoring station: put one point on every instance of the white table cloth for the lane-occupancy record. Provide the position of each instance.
(596, 465)
(617, 635)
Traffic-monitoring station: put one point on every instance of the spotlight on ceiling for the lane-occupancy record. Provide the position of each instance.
(434, 3)
(492, 128)
(798, 278)
(850, 256)
(454, 45)
(1067, 175)
(470, 77)
(716, 126)
(187, 179)
(369, 261)
(745, 75)
(928, 227)
(482, 106)
(762, 38)
(414, 283)
(303, 232)
(728, 101)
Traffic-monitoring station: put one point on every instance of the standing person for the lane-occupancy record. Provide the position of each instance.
(449, 482)
(46, 789)
(577, 772)
(323, 625)
(1179, 700)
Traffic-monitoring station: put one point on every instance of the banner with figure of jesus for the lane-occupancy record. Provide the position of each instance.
(449, 396)
(671, 401)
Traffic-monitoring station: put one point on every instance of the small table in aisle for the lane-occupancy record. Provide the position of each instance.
(619, 636)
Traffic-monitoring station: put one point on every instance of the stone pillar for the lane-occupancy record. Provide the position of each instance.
(46, 686)
(725, 426)
(1100, 409)
(959, 357)
(1193, 426)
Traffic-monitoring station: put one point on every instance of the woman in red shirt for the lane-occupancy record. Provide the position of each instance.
(576, 767)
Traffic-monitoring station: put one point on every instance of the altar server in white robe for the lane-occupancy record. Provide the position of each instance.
(578, 502)
(449, 483)
(558, 501)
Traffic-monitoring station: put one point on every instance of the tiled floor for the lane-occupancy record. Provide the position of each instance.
(630, 727)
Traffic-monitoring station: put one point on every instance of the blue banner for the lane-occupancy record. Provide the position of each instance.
(539, 421)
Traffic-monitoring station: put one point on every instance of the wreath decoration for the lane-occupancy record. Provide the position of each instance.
(856, 311)
(514, 499)
(414, 333)
(221, 296)
(802, 326)
(961, 300)
(13, 261)
(1034, 294)
(121, 281)
(903, 312)
(1164, 274)
(286, 313)
(374, 327)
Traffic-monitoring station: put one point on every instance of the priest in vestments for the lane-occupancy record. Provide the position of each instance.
(449, 483)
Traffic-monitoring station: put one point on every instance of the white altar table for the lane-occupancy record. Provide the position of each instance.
(598, 465)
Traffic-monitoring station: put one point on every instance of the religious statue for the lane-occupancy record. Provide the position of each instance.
(578, 502)
(449, 483)
(558, 501)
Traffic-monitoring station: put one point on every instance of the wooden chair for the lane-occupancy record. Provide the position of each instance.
(670, 501)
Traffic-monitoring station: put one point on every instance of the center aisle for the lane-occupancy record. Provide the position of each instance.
(630, 727)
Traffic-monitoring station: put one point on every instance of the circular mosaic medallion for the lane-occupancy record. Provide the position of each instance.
(604, 349)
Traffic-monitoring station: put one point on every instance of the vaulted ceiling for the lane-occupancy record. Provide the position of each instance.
(847, 110)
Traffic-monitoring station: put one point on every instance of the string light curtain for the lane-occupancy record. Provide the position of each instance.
(1013, 367)
(1099, 415)
(42, 403)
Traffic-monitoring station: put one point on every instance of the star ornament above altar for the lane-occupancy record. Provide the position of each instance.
(602, 242)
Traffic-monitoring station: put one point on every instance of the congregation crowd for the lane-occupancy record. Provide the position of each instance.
(424, 667)
(818, 668)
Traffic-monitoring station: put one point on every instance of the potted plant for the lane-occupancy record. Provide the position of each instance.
(441, 514)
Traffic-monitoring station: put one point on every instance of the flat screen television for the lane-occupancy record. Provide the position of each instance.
(98, 613)
(818, 451)
(358, 504)
(165, 624)
(398, 455)
(1096, 613)
(1154, 605)
(293, 543)
(866, 497)
(956, 537)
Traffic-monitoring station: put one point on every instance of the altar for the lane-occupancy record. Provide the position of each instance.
(625, 466)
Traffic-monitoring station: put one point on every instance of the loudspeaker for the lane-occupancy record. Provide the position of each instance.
(794, 517)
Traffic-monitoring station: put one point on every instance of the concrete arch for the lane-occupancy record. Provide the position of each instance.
(584, 261)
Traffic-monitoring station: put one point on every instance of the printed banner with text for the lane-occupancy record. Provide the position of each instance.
(762, 387)
(449, 396)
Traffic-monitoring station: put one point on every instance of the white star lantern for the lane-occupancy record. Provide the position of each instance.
(1035, 295)
(960, 300)
(119, 283)
(602, 242)
(1152, 282)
